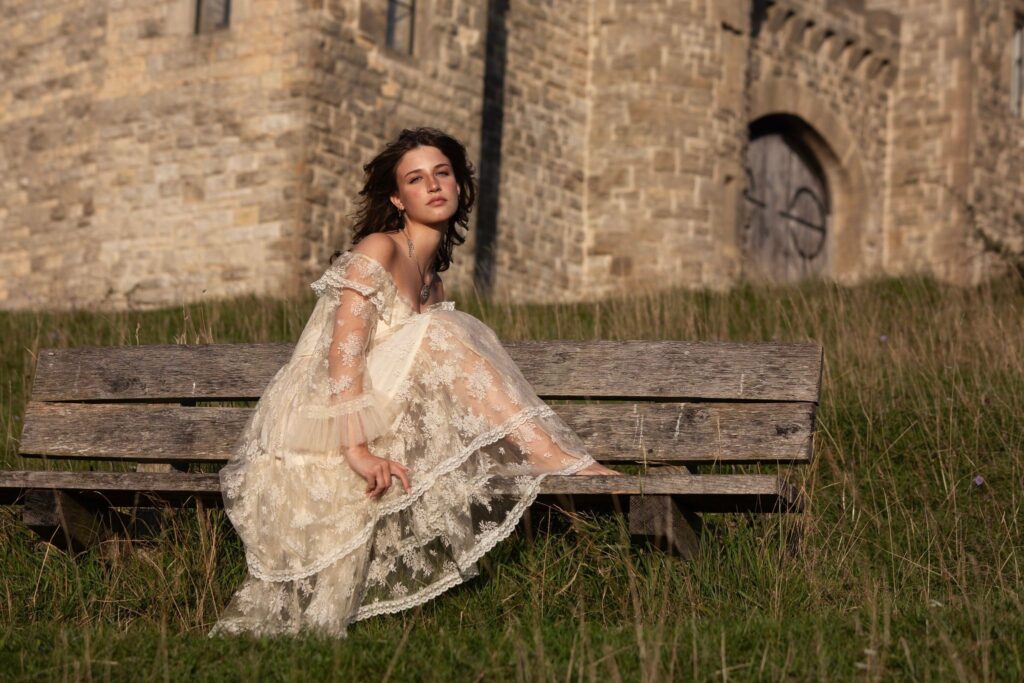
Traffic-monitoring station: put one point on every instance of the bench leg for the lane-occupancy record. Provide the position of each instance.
(664, 523)
(64, 521)
(143, 520)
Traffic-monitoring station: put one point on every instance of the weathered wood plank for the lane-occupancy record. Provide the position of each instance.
(672, 432)
(699, 492)
(663, 370)
(142, 432)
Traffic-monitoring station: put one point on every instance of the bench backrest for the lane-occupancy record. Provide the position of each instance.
(646, 401)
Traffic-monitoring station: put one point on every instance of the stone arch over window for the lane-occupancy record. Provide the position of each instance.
(816, 131)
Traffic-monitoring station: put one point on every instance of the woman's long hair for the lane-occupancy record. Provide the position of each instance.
(376, 213)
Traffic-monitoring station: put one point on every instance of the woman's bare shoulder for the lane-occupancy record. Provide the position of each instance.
(379, 247)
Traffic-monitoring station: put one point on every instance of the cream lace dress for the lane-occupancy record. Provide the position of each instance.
(434, 391)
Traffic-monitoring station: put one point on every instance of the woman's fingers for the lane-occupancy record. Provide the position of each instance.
(378, 479)
(383, 480)
(402, 472)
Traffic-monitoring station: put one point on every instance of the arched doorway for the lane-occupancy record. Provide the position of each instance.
(786, 228)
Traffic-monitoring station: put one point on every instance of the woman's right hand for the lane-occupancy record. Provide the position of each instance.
(376, 471)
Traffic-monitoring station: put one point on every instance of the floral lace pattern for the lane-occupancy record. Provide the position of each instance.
(433, 390)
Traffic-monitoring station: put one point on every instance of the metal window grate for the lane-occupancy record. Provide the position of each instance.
(401, 25)
(212, 15)
(1017, 72)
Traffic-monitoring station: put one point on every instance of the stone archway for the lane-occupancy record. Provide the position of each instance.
(814, 132)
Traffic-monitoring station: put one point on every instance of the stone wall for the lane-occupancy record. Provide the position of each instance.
(541, 225)
(673, 90)
(142, 164)
(833, 64)
(665, 133)
(929, 132)
(996, 192)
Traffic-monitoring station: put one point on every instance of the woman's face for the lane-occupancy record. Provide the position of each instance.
(427, 189)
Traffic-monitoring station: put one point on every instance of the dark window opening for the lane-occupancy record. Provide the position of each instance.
(401, 25)
(212, 15)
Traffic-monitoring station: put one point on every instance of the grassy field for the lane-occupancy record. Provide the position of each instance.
(908, 564)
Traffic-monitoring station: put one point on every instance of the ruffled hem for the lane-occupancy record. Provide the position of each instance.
(465, 564)
(331, 428)
(400, 503)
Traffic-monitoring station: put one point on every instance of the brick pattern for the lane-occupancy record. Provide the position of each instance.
(541, 221)
(842, 63)
(997, 162)
(658, 132)
(141, 164)
(929, 132)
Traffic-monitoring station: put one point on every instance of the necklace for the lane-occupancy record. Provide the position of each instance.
(425, 288)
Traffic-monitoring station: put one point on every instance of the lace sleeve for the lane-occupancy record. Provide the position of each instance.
(349, 393)
(338, 406)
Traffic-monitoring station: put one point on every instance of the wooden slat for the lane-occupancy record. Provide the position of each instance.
(672, 432)
(662, 370)
(699, 492)
(137, 432)
(672, 370)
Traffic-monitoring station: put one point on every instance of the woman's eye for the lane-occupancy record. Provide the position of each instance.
(442, 173)
(414, 180)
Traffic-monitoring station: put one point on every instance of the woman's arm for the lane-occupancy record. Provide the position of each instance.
(354, 320)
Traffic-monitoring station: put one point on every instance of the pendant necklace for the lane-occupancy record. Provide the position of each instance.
(425, 289)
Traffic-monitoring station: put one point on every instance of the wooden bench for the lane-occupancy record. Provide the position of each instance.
(669, 406)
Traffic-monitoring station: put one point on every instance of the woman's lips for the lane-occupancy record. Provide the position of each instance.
(437, 201)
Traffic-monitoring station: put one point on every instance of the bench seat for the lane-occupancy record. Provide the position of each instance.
(668, 407)
(700, 492)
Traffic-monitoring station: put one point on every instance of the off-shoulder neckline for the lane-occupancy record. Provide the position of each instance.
(391, 280)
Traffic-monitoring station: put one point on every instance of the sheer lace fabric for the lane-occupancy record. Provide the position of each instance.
(434, 391)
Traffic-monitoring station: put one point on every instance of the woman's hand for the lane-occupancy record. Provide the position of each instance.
(376, 471)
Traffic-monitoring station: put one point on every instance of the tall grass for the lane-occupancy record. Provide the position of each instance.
(906, 564)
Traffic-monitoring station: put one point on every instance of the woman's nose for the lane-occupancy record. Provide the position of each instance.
(434, 184)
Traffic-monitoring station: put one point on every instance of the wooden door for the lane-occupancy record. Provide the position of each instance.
(784, 234)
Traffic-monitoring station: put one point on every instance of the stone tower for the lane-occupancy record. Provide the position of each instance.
(166, 150)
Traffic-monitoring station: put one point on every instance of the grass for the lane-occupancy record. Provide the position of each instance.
(907, 564)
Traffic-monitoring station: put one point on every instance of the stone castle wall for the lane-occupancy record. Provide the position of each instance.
(673, 91)
(141, 164)
(929, 133)
(541, 224)
(996, 192)
(665, 136)
(833, 64)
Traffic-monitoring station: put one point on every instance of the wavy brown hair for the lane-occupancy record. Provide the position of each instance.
(376, 213)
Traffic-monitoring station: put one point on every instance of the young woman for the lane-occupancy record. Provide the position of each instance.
(387, 381)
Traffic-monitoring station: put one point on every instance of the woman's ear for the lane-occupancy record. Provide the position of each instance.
(396, 202)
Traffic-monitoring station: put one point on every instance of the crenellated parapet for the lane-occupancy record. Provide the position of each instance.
(864, 42)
